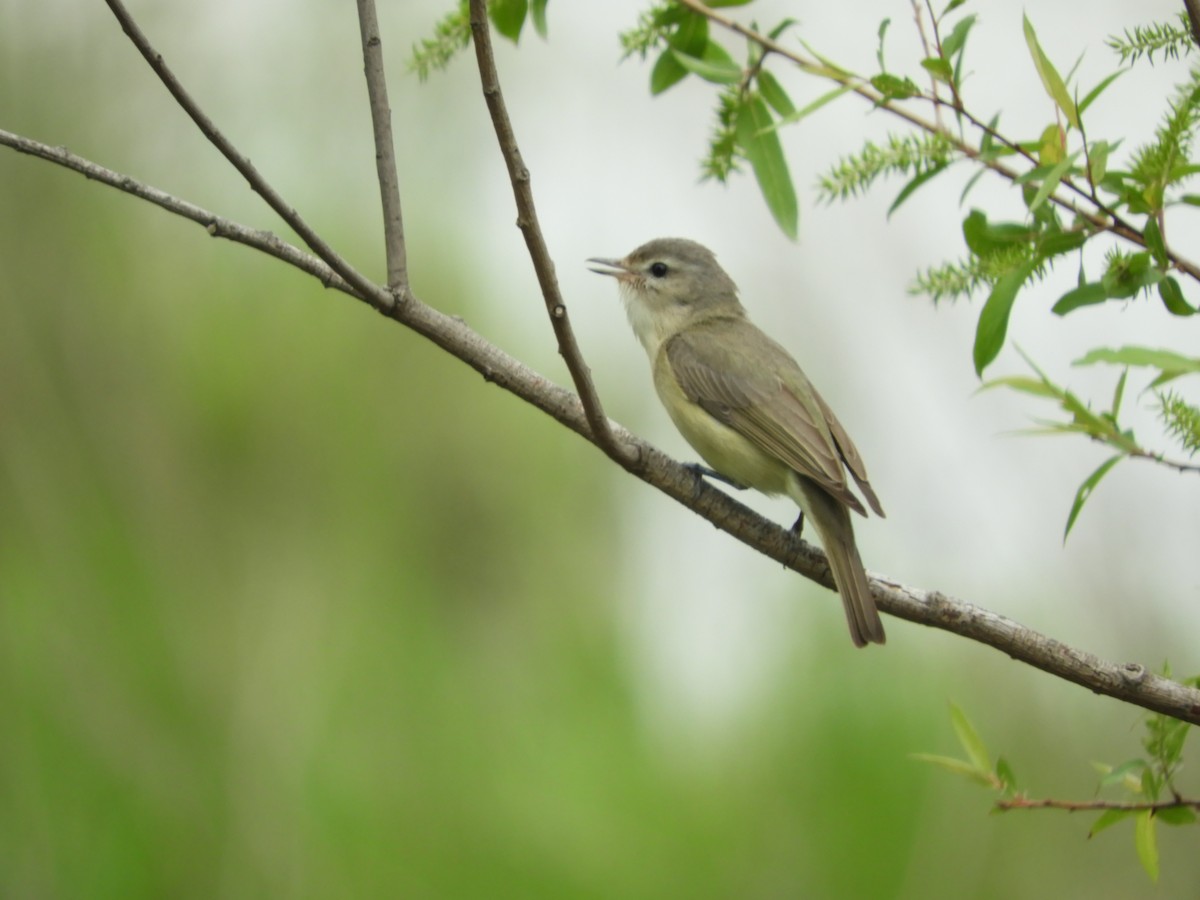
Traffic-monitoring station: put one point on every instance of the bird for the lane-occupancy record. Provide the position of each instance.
(745, 405)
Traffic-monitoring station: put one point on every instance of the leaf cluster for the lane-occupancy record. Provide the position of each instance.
(1148, 781)
(1171, 39)
(452, 32)
(1179, 419)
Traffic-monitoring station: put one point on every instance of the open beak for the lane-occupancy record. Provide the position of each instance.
(614, 267)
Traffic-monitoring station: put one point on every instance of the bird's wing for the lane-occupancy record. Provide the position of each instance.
(767, 399)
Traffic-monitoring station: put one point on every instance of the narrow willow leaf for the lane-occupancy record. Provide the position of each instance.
(774, 94)
(811, 108)
(892, 87)
(1051, 80)
(913, 185)
(939, 68)
(1084, 295)
(1154, 241)
(1165, 360)
(667, 73)
(1051, 181)
(956, 766)
(508, 16)
(970, 740)
(715, 65)
(760, 144)
(1176, 815)
(993, 319)
(1119, 394)
(1085, 491)
(958, 36)
(1172, 297)
(1107, 819)
(1098, 90)
(1025, 385)
(537, 9)
(1146, 842)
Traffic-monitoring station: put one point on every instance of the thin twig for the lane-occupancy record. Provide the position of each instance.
(527, 221)
(240, 162)
(1130, 682)
(1096, 805)
(385, 152)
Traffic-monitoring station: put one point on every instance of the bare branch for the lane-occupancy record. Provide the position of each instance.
(385, 151)
(240, 162)
(527, 221)
(1130, 682)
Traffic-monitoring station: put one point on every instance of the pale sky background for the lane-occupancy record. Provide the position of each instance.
(972, 511)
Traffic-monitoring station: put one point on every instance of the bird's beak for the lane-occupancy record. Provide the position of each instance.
(617, 268)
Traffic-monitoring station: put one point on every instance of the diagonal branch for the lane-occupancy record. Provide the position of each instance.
(1129, 682)
(527, 221)
(385, 151)
(314, 241)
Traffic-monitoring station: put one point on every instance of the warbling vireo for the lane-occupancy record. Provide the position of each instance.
(744, 404)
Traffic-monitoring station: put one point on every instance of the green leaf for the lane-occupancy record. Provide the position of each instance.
(1051, 80)
(1146, 842)
(1097, 158)
(893, 87)
(667, 72)
(1107, 819)
(1172, 297)
(1154, 241)
(1125, 770)
(691, 37)
(1084, 295)
(537, 9)
(508, 16)
(957, 38)
(914, 183)
(774, 94)
(1026, 385)
(1165, 360)
(1085, 491)
(970, 740)
(993, 319)
(950, 7)
(883, 27)
(716, 4)
(1118, 394)
(939, 68)
(986, 239)
(716, 65)
(1176, 815)
(1008, 778)
(1098, 90)
(759, 143)
(1050, 182)
(956, 766)
(815, 105)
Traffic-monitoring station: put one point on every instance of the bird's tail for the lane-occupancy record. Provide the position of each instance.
(832, 522)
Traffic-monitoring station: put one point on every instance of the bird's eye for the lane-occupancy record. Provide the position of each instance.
(658, 269)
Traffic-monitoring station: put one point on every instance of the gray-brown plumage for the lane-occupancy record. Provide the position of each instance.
(745, 405)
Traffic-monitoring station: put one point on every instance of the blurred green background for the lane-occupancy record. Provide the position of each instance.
(293, 604)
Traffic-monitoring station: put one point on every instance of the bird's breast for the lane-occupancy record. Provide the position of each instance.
(721, 446)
